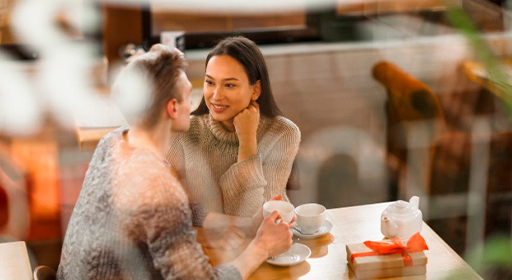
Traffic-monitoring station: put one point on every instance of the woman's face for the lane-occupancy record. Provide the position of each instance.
(227, 90)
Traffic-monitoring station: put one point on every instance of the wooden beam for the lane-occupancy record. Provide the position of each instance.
(121, 25)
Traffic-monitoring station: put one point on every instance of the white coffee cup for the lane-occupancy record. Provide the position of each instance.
(284, 208)
(310, 217)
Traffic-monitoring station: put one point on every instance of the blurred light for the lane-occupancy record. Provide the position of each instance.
(19, 112)
(131, 93)
(62, 72)
(39, 30)
(65, 83)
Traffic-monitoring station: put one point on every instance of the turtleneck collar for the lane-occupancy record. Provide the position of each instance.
(225, 135)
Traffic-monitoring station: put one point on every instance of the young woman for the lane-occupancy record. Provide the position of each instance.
(239, 150)
(132, 219)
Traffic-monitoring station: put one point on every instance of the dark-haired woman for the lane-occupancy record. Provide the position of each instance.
(239, 150)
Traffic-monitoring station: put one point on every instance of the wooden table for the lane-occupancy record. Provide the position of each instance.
(88, 138)
(357, 224)
(14, 262)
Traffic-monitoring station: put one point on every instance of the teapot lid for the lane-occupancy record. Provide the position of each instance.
(401, 207)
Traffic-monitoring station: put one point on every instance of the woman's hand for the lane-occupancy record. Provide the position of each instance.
(246, 125)
(246, 122)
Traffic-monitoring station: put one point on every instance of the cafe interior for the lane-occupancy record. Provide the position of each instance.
(393, 99)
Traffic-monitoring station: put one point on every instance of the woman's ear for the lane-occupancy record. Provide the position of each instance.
(172, 108)
(256, 90)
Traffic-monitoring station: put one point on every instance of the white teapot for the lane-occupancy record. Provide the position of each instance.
(401, 219)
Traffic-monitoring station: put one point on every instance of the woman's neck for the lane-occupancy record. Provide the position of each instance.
(228, 125)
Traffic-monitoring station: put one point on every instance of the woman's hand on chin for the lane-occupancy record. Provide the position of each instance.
(246, 124)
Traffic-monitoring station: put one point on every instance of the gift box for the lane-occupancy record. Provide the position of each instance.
(388, 258)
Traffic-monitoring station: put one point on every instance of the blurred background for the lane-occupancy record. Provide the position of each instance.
(393, 99)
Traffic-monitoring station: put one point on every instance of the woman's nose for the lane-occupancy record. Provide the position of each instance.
(217, 93)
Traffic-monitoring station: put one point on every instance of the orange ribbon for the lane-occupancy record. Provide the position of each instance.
(415, 244)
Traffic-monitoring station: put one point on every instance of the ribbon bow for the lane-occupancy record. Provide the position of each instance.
(415, 244)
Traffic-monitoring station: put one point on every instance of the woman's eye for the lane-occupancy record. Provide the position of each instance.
(230, 85)
(208, 82)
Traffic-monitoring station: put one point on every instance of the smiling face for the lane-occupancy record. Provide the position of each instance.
(227, 90)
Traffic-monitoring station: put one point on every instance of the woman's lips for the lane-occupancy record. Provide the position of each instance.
(217, 108)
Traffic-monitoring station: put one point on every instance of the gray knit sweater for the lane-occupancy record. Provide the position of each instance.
(133, 221)
(206, 158)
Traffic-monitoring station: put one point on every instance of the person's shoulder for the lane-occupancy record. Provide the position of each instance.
(285, 122)
(285, 126)
(104, 149)
(112, 136)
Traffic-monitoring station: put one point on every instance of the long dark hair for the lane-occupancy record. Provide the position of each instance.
(247, 53)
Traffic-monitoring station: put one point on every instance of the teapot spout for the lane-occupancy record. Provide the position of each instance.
(388, 227)
(414, 202)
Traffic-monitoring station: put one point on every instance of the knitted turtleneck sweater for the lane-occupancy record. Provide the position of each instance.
(205, 159)
(133, 221)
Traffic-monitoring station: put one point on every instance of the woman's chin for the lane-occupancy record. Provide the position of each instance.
(219, 117)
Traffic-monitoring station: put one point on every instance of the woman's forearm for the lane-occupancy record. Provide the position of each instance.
(248, 147)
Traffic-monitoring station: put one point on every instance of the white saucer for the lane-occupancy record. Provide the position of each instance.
(297, 254)
(325, 229)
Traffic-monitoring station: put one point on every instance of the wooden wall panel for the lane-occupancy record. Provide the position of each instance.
(196, 23)
(121, 26)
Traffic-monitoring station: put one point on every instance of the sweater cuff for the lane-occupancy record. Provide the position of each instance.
(198, 214)
(244, 175)
(229, 272)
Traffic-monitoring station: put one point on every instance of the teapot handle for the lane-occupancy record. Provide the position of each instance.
(414, 201)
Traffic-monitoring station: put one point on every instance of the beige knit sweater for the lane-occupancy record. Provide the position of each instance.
(206, 156)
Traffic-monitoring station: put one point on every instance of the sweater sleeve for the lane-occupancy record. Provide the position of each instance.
(176, 158)
(166, 227)
(243, 186)
(247, 184)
